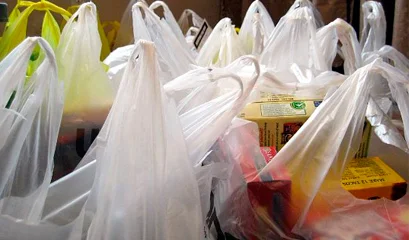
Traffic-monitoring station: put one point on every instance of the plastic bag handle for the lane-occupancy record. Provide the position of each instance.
(137, 16)
(44, 6)
(24, 49)
(146, 9)
(252, 82)
(347, 36)
(158, 4)
(390, 53)
(375, 21)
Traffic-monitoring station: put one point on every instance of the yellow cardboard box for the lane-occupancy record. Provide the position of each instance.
(281, 117)
(371, 178)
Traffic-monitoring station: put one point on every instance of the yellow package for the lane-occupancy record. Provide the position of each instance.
(281, 117)
(371, 178)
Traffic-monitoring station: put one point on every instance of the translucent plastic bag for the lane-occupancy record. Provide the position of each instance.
(201, 124)
(222, 47)
(315, 158)
(340, 31)
(30, 120)
(164, 198)
(316, 17)
(150, 27)
(88, 92)
(237, 156)
(373, 35)
(293, 41)
(170, 20)
(256, 28)
(183, 21)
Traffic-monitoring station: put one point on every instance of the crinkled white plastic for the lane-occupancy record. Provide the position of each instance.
(222, 47)
(373, 35)
(30, 118)
(323, 146)
(390, 55)
(293, 41)
(316, 89)
(256, 28)
(151, 28)
(116, 62)
(202, 125)
(328, 37)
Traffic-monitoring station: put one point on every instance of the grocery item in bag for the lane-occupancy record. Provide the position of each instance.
(88, 92)
(316, 157)
(371, 178)
(279, 121)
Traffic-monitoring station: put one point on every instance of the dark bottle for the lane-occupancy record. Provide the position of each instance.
(3, 17)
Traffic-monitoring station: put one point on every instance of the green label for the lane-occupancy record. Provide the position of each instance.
(298, 105)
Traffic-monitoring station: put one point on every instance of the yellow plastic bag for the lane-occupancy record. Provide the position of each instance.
(16, 29)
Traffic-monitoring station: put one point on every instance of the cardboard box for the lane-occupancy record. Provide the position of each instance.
(279, 117)
(371, 178)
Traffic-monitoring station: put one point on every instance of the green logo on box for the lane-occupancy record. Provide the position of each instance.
(298, 105)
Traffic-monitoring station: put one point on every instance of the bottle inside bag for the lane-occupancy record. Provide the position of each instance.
(3, 17)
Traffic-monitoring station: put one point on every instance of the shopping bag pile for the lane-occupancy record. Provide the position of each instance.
(188, 131)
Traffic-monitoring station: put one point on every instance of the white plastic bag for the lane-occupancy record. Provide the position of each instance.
(373, 35)
(208, 112)
(88, 92)
(151, 192)
(316, 17)
(125, 33)
(183, 21)
(222, 47)
(294, 41)
(170, 20)
(150, 27)
(30, 119)
(256, 28)
(328, 37)
(116, 61)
